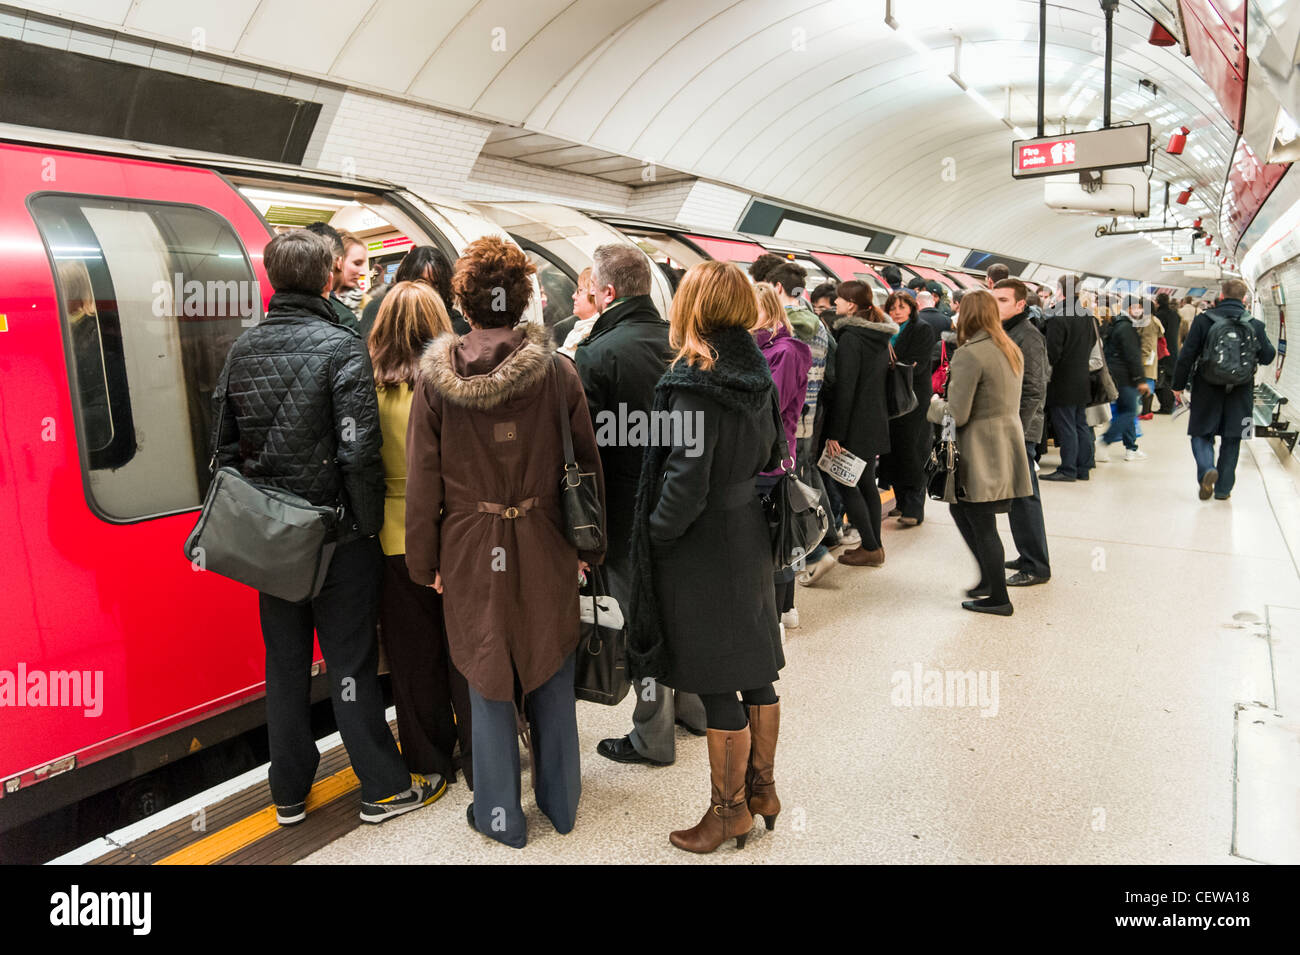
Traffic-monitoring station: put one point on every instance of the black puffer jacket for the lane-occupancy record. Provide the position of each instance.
(301, 413)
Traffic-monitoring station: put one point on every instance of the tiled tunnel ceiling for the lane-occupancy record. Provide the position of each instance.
(817, 102)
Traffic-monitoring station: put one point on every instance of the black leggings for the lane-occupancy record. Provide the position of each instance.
(978, 523)
(723, 711)
(862, 505)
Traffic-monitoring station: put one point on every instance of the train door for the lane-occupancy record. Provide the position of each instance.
(127, 281)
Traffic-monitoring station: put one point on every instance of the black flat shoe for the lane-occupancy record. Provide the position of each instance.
(691, 729)
(979, 591)
(1012, 564)
(621, 750)
(894, 513)
(983, 606)
(1023, 579)
(1056, 476)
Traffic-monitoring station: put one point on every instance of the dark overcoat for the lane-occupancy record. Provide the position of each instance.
(620, 362)
(857, 417)
(484, 437)
(909, 434)
(1215, 409)
(1071, 332)
(706, 563)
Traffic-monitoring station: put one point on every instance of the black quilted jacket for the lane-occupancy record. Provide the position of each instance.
(301, 413)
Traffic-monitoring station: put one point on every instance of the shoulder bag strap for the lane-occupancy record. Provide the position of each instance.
(223, 384)
(566, 435)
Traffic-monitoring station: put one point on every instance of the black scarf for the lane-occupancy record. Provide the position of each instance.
(294, 304)
(740, 380)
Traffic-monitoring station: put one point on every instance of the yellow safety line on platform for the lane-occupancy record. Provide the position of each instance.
(248, 830)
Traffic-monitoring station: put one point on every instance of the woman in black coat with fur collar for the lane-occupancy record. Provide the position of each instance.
(909, 434)
(857, 419)
(703, 614)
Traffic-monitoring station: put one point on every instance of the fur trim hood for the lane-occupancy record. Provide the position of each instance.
(857, 321)
(488, 366)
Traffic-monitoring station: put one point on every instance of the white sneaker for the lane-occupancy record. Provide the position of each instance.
(1132, 454)
(790, 619)
(850, 537)
(1103, 452)
(816, 570)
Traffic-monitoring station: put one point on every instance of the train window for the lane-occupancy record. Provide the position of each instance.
(556, 284)
(153, 295)
(672, 255)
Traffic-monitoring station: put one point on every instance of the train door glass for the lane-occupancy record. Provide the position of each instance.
(672, 255)
(557, 284)
(152, 296)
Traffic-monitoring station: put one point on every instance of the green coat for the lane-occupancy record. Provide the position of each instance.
(984, 401)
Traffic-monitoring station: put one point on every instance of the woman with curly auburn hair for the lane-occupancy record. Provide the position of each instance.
(483, 527)
(703, 606)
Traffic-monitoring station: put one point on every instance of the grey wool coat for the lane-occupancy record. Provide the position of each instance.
(984, 401)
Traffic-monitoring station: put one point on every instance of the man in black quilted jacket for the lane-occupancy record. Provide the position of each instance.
(300, 415)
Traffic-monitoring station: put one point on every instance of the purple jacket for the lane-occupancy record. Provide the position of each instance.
(789, 360)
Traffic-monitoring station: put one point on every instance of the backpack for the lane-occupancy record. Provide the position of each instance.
(1230, 353)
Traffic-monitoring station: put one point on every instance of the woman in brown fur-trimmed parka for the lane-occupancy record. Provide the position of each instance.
(484, 527)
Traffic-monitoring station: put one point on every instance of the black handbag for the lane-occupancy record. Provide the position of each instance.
(941, 467)
(796, 520)
(600, 672)
(579, 498)
(273, 541)
(900, 396)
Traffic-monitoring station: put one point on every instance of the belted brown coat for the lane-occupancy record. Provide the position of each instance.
(483, 438)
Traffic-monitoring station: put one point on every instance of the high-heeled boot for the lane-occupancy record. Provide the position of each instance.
(728, 815)
(764, 726)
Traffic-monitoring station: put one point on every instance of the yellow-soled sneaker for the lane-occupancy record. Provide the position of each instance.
(422, 792)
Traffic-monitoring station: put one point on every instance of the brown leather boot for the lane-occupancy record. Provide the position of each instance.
(728, 815)
(857, 557)
(764, 726)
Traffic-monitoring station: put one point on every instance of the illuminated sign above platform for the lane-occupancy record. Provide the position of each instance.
(1112, 148)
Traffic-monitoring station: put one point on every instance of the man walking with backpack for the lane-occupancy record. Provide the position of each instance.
(1219, 356)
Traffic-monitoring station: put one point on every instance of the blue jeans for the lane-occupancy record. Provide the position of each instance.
(1229, 449)
(1123, 424)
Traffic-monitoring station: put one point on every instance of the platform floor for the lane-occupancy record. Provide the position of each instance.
(1114, 734)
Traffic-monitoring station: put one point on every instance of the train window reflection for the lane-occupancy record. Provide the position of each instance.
(153, 296)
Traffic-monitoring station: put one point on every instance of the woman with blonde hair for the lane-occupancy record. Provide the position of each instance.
(571, 332)
(430, 695)
(984, 404)
(703, 617)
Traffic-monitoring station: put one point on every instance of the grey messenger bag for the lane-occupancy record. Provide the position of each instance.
(273, 541)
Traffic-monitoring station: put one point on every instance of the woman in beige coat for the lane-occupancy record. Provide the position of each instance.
(984, 402)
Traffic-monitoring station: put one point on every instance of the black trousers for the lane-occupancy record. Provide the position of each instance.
(862, 505)
(430, 694)
(343, 618)
(725, 712)
(1027, 528)
(977, 522)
